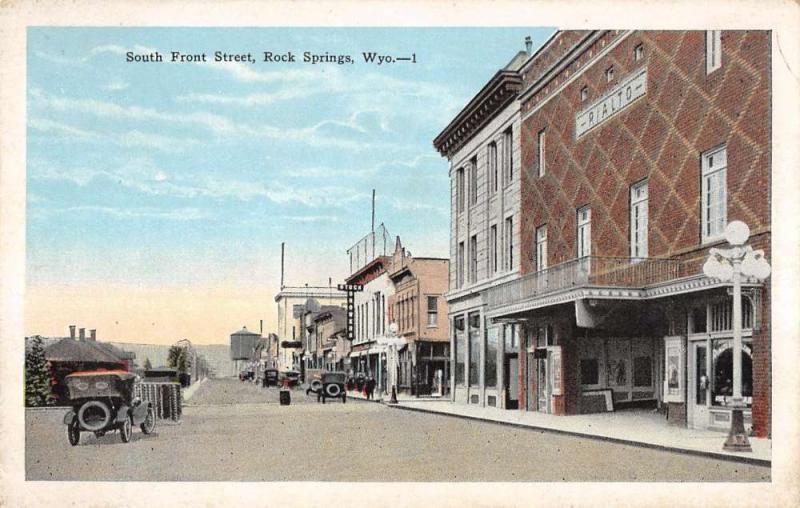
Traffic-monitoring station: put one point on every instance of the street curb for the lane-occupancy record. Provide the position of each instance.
(640, 444)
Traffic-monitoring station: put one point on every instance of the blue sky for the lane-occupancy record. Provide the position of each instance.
(192, 174)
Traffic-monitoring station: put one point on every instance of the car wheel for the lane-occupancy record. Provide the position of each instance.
(149, 423)
(73, 434)
(126, 430)
(323, 399)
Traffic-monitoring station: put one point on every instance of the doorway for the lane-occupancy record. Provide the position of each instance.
(511, 380)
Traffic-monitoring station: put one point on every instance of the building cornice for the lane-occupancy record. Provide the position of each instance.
(500, 91)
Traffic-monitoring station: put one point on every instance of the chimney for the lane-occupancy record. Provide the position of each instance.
(72, 332)
(528, 45)
(82, 333)
(93, 335)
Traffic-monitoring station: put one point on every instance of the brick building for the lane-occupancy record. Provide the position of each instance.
(419, 310)
(637, 148)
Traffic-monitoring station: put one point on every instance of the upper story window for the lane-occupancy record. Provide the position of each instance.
(713, 50)
(541, 154)
(493, 249)
(460, 265)
(433, 312)
(473, 180)
(510, 243)
(508, 156)
(491, 156)
(609, 74)
(460, 190)
(473, 259)
(584, 93)
(638, 52)
(639, 220)
(541, 248)
(714, 194)
(584, 232)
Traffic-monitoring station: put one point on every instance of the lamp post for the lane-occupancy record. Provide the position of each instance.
(393, 344)
(730, 265)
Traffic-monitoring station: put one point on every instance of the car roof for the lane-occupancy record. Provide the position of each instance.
(88, 373)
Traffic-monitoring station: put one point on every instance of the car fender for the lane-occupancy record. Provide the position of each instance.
(70, 416)
(122, 413)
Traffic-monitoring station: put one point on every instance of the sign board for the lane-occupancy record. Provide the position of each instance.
(555, 369)
(350, 287)
(614, 101)
(674, 369)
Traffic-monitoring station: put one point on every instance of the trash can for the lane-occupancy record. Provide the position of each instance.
(286, 397)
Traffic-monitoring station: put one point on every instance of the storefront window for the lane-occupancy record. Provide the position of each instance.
(491, 356)
(459, 349)
(474, 347)
(590, 373)
(642, 372)
(722, 372)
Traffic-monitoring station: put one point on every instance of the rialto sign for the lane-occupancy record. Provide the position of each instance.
(614, 101)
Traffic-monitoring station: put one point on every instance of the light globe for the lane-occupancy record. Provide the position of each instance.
(737, 232)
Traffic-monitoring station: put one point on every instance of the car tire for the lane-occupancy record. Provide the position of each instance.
(149, 423)
(73, 433)
(316, 385)
(92, 423)
(126, 430)
(333, 390)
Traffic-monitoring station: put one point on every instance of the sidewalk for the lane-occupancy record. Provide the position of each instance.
(401, 397)
(635, 427)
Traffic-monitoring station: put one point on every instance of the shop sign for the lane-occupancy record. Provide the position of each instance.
(555, 368)
(614, 101)
(673, 356)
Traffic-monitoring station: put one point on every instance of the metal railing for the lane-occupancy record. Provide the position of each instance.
(587, 271)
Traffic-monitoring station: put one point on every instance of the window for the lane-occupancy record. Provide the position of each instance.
(722, 371)
(638, 226)
(609, 74)
(460, 265)
(541, 157)
(459, 349)
(508, 156)
(460, 189)
(541, 248)
(433, 312)
(511, 338)
(714, 200)
(584, 93)
(492, 163)
(510, 243)
(490, 362)
(493, 248)
(473, 181)
(473, 259)
(474, 347)
(584, 242)
(638, 52)
(713, 50)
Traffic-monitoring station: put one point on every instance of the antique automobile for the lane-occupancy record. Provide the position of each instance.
(103, 401)
(332, 386)
(270, 377)
(292, 376)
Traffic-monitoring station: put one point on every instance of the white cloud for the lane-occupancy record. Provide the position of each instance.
(311, 218)
(178, 214)
(116, 85)
(52, 127)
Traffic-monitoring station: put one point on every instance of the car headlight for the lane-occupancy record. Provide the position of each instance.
(82, 386)
(101, 385)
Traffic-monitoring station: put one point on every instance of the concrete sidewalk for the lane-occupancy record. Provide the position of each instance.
(402, 397)
(634, 427)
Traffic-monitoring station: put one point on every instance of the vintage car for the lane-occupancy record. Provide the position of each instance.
(103, 401)
(292, 376)
(332, 386)
(270, 377)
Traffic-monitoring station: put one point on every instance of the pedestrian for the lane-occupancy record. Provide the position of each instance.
(370, 387)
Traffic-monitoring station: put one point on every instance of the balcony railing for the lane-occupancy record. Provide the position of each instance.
(593, 271)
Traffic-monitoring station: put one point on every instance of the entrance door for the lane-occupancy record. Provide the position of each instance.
(699, 384)
(511, 381)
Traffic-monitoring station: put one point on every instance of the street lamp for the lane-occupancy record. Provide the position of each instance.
(730, 265)
(393, 344)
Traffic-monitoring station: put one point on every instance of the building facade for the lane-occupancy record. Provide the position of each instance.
(293, 303)
(419, 310)
(482, 145)
(637, 149)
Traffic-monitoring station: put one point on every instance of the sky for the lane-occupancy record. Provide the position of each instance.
(158, 193)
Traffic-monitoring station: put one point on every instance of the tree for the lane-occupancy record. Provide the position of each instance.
(178, 358)
(147, 364)
(172, 356)
(37, 376)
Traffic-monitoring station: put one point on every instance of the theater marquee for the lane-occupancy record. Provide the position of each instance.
(611, 103)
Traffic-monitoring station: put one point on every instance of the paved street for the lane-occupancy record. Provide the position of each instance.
(235, 431)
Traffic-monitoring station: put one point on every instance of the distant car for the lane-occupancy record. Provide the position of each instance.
(270, 377)
(332, 386)
(103, 401)
(292, 376)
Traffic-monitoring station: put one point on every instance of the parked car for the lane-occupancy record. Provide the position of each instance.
(292, 376)
(270, 377)
(103, 401)
(332, 387)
